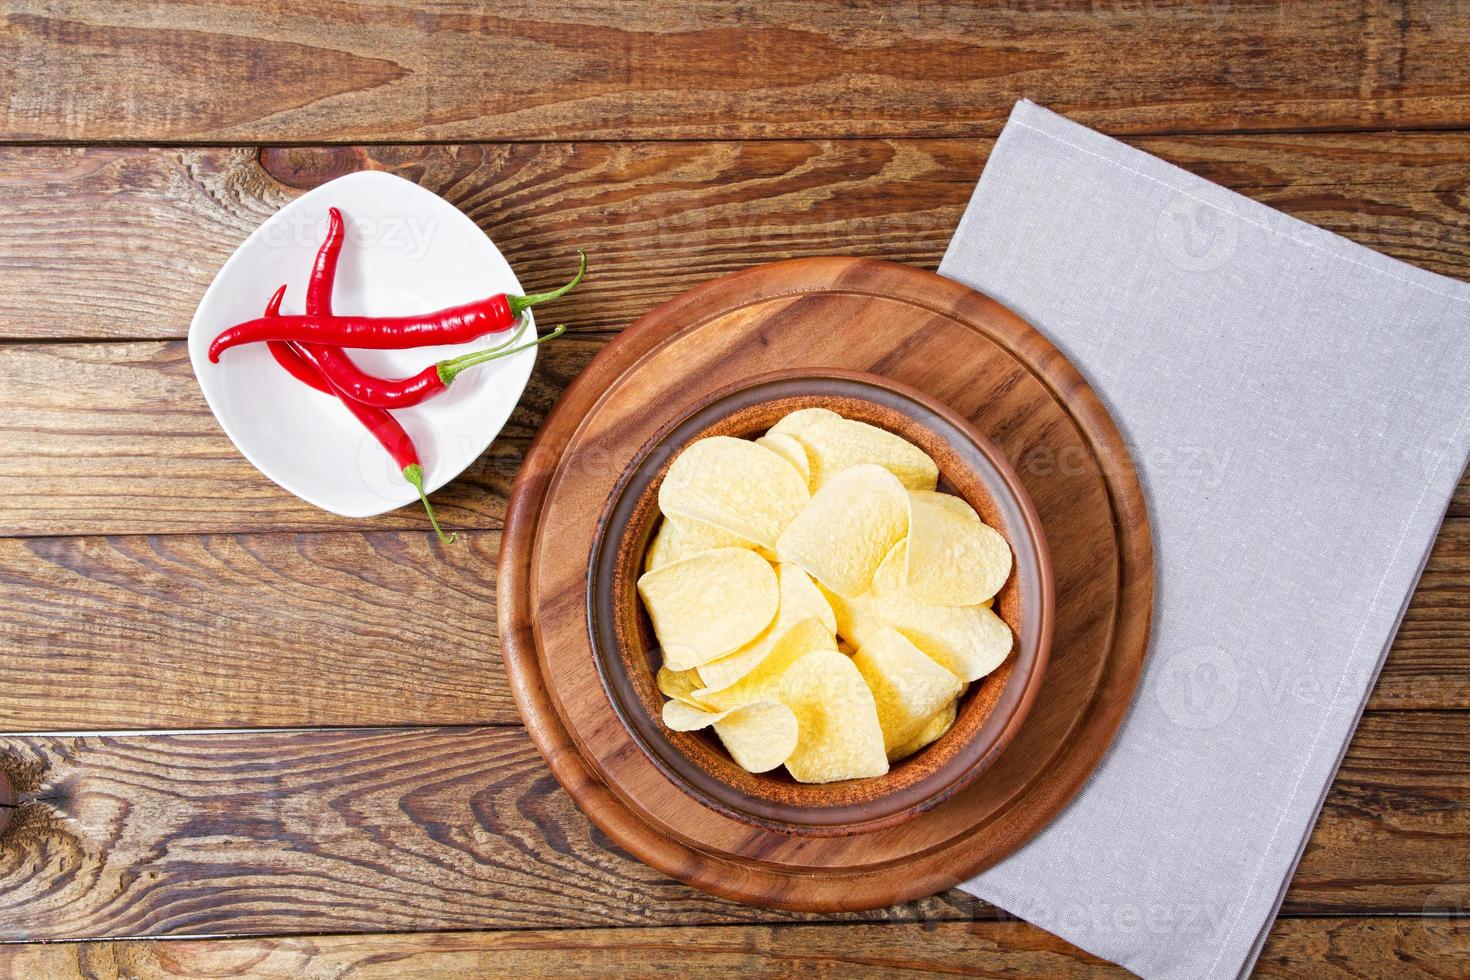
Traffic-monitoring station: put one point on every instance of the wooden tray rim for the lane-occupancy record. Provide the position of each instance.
(867, 886)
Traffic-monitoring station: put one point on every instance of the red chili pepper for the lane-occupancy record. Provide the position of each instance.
(299, 369)
(348, 378)
(453, 325)
(301, 361)
(339, 369)
(287, 357)
(391, 436)
(324, 270)
(318, 298)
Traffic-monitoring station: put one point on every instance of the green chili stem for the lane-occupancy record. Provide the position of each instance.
(450, 369)
(519, 304)
(414, 474)
(447, 363)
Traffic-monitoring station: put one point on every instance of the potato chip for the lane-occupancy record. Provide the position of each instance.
(953, 560)
(954, 504)
(804, 597)
(708, 605)
(837, 444)
(872, 553)
(857, 618)
(908, 686)
(891, 577)
(759, 736)
(679, 685)
(934, 729)
(763, 680)
(682, 537)
(661, 550)
(837, 720)
(800, 599)
(968, 641)
(682, 717)
(795, 423)
(788, 449)
(846, 530)
(736, 485)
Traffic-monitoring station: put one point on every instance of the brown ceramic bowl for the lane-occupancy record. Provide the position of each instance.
(991, 709)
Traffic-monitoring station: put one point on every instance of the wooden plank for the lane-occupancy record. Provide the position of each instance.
(374, 830)
(861, 950)
(385, 628)
(235, 631)
(320, 831)
(117, 438)
(603, 69)
(1427, 948)
(1395, 829)
(1338, 947)
(112, 438)
(88, 229)
(94, 225)
(1426, 667)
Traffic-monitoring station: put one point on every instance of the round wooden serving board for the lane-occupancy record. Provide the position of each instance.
(961, 348)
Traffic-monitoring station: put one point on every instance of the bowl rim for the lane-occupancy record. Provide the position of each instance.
(839, 820)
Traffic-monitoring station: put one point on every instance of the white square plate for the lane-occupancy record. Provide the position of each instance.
(407, 250)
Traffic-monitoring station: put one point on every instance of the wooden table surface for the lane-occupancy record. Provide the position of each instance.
(247, 737)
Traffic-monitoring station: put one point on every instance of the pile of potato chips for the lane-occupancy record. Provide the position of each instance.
(771, 550)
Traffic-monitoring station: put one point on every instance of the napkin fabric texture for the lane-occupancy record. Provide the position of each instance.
(1296, 407)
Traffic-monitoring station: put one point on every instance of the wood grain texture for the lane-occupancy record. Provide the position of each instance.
(960, 350)
(1426, 664)
(383, 628)
(1367, 949)
(88, 229)
(1298, 948)
(319, 831)
(130, 71)
(221, 631)
(219, 600)
(111, 438)
(1302, 949)
(422, 829)
(862, 950)
(117, 438)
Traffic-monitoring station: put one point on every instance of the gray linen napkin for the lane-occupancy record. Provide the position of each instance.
(1296, 406)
